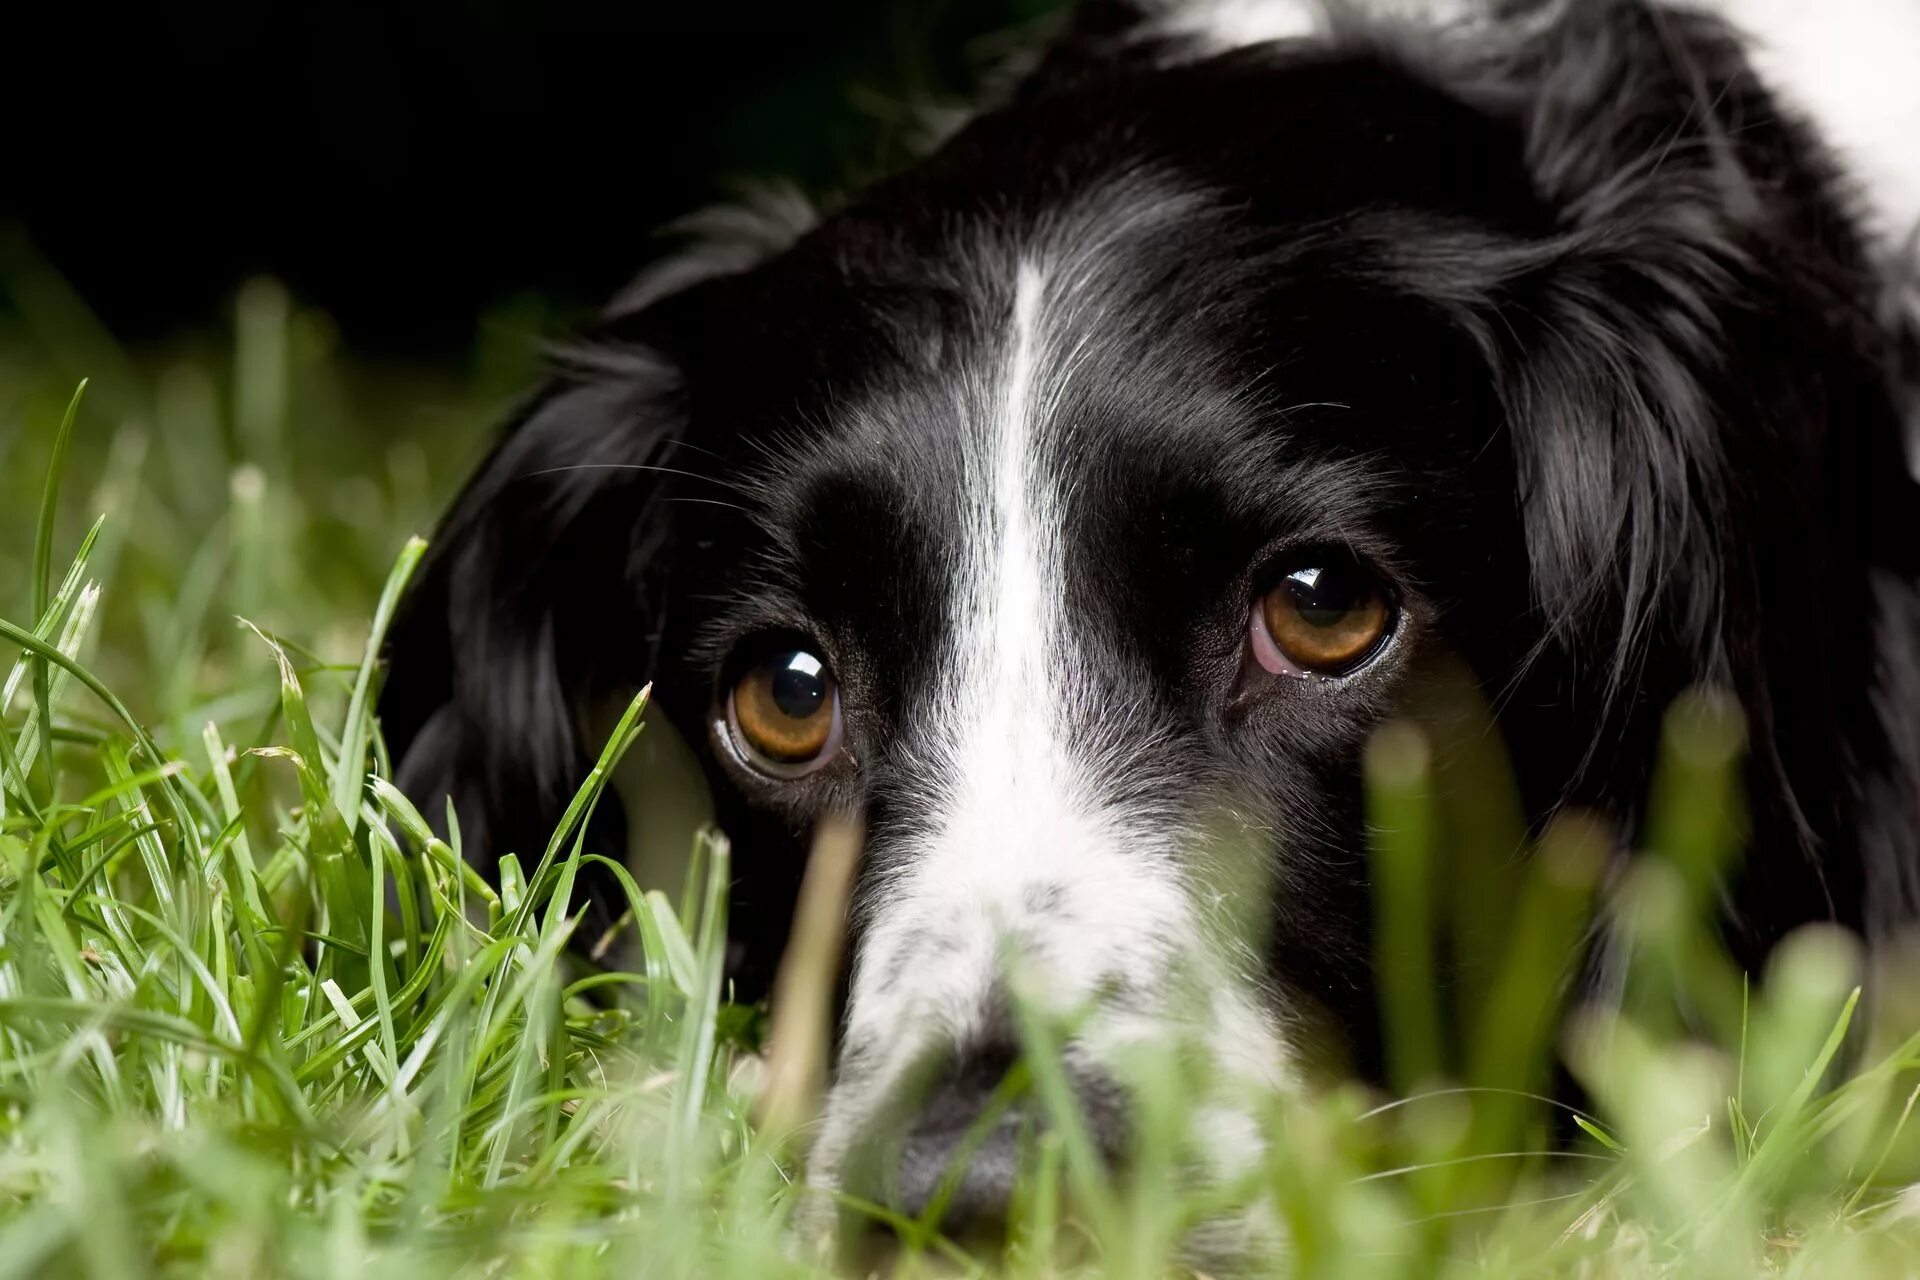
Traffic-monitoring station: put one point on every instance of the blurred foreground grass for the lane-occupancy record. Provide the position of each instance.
(255, 1021)
(253, 472)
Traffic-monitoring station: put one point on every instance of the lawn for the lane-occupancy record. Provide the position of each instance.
(255, 1020)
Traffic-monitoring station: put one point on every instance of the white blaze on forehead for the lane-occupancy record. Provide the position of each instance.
(1020, 842)
(1024, 835)
(1018, 597)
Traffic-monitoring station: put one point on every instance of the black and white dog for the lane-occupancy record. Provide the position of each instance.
(1072, 506)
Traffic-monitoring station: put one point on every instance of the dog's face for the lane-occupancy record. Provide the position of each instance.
(1072, 509)
(1080, 560)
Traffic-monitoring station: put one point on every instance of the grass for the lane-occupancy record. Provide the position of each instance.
(255, 1020)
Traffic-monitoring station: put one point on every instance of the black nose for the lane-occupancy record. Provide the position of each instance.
(960, 1149)
(959, 1160)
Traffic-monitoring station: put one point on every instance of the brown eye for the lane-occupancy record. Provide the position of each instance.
(1322, 619)
(785, 712)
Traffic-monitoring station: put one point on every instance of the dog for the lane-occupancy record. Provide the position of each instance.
(1074, 505)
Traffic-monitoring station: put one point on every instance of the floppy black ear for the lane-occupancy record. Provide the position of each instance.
(532, 604)
(1612, 340)
(1697, 395)
(1676, 350)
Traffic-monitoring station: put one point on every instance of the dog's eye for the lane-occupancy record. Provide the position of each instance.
(1324, 619)
(785, 712)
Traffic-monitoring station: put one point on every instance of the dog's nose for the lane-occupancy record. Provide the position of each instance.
(958, 1158)
(961, 1150)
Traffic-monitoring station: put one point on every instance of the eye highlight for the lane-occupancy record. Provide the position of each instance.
(1322, 619)
(784, 713)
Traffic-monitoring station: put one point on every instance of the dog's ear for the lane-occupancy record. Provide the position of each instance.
(1696, 390)
(533, 602)
(1672, 348)
(542, 599)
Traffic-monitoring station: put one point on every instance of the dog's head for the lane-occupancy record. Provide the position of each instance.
(1074, 506)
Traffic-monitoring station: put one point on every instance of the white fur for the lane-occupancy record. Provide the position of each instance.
(1220, 26)
(1851, 66)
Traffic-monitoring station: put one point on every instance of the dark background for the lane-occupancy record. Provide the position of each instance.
(406, 167)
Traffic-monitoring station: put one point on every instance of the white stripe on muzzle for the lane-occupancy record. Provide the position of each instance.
(1028, 844)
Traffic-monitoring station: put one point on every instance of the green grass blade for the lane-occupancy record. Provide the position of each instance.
(1400, 820)
(349, 767)
(43, 574)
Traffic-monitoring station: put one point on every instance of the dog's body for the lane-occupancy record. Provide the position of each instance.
(1073, 506)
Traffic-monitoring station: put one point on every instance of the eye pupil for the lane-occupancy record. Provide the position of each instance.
(797, 688)
(1326, 597)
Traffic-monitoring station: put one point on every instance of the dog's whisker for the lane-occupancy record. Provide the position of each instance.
(1426, 1095)
(714, 502)
(1504, 1206)
(681, 443)
(1480, 1158)
(650, 468)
